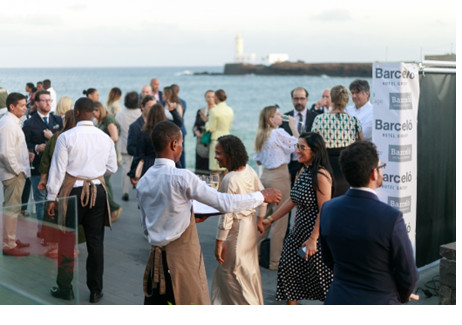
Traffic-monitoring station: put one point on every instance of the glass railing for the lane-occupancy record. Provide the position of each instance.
(28, 271)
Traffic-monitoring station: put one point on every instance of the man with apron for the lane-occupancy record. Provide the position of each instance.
(175, 272)
(83, 156)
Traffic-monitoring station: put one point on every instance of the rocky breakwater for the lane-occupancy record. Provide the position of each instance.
(301, 69)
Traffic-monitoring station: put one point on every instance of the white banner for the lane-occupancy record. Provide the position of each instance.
(396, 100)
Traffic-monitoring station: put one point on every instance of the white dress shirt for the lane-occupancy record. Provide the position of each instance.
(277, 149)
(125, 118)
(364, 115)
(83, 151)
(164, 195)
(14, 156)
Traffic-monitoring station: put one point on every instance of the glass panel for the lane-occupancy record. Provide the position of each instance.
(26, 280)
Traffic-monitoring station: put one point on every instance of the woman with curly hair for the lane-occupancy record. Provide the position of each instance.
(237, 279)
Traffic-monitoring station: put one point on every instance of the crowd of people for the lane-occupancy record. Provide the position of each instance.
(319, 164)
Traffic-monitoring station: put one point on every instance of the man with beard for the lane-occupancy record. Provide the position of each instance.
(364, 241)
(304, 118)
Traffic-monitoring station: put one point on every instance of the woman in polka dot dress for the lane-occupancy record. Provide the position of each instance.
(305, 278)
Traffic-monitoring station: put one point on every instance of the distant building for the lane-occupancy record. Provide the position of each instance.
(277, 57)
(444, 57)
(242, 57)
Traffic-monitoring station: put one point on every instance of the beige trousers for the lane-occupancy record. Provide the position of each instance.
(278, 178)
(126, 163)
(12, 192)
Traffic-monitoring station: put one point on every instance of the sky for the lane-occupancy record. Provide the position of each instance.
(56, 33)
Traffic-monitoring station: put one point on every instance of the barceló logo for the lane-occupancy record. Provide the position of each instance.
(393, 126)
(393, 74)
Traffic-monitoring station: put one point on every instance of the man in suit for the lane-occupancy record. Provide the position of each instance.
(38, 129)
(304, 118)
(364, 240)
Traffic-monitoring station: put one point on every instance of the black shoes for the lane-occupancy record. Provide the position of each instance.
(69, 294)
(95, 297)
(125, 197)
(62, 294)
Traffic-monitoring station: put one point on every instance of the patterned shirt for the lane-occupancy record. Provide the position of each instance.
(337, 129)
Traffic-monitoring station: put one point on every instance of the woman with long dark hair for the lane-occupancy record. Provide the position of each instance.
(237, 279)
(305, 277)
(145, 149)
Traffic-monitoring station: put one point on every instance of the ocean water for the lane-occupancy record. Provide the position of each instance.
(247, 95)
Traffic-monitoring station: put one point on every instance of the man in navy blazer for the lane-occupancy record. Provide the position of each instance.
(38, 129)
(364, 240)
(304, 118)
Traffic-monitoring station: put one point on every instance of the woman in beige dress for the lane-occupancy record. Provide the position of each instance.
(237, 279)
(219, 123)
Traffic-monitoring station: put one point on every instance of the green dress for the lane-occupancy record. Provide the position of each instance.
(114, 206)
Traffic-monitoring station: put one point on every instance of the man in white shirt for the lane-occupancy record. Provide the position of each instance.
(47, 87)
(14, 169)
(362, 108)
(83, 156)
(175, 271)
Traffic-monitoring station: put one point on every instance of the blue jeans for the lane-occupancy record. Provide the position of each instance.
(39, 197)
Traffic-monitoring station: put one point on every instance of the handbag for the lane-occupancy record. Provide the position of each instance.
(206, 137)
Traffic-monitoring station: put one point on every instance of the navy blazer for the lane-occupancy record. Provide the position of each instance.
(33, 131)
(366, 244)
(133, 133)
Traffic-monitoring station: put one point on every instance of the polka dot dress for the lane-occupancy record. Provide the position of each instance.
(299, 279)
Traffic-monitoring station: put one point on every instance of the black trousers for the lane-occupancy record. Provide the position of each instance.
(340, 183)
(92, 221)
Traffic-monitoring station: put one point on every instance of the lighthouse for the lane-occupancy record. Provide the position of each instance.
(242, 57)
(239, 48)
